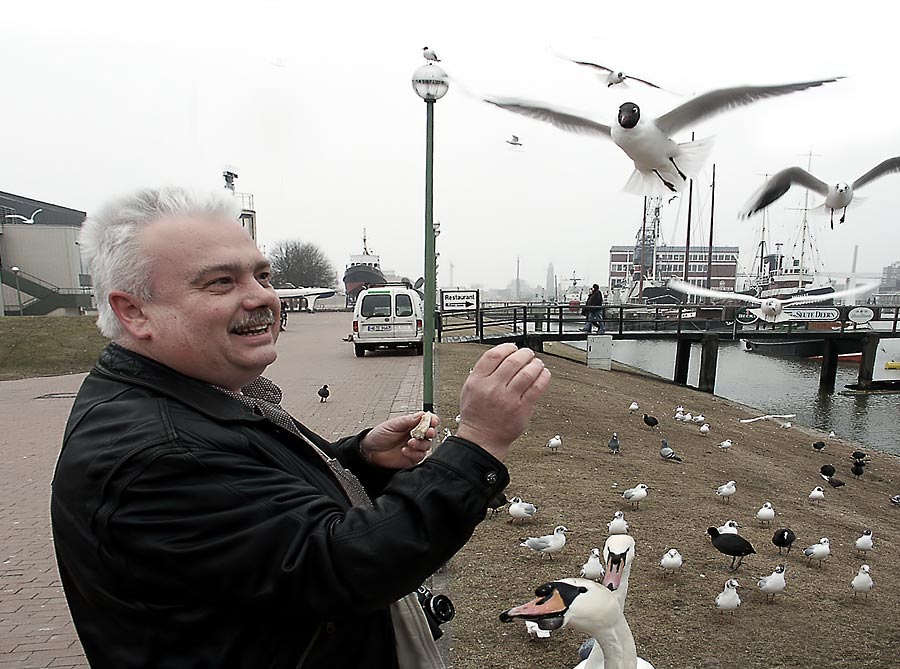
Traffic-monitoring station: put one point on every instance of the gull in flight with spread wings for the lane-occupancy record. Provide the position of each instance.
(658, 160)
(29, 221)
(769, 416)
(613, 77)
(770, 309)
(837, 196)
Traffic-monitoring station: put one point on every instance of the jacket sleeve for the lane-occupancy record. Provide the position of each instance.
(226, 527)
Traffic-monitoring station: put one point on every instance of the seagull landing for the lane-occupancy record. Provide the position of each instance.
(659, 162)
(837, 196)
(770, 309)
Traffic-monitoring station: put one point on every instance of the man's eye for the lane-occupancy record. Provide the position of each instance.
(264, 278)
(221, 281)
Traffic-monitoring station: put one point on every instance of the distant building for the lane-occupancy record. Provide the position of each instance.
(40, 260)
(625, 264)
(889, 290)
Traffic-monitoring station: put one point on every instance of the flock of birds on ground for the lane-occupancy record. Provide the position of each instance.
(595, 602)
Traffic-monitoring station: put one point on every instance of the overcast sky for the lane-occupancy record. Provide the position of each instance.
(313, 103)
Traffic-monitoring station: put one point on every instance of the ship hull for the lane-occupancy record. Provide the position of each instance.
(800, 348)
(358, 277)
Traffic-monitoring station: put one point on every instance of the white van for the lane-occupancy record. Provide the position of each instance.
(388, 316)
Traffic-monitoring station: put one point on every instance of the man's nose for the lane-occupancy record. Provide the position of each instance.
(257, 294)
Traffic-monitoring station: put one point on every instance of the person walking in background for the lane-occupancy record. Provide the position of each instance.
(196, 523)
(284, 310)
(593, 311)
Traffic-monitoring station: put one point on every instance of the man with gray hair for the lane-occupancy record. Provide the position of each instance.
(196, 523)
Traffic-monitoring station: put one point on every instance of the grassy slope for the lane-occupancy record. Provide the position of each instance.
(42, 346)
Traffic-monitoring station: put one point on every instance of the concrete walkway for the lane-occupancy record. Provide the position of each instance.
(35, 627)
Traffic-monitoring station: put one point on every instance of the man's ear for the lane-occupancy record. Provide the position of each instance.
(131, 313)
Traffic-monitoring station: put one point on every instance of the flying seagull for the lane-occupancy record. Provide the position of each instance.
(27, 221)
(769, 416)
(648, 141)
(613, 77)
(514, 141)
(770, 309)
(837, 196)
(430, 54)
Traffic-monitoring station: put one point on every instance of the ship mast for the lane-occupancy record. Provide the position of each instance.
(365, 248)
(805, 223)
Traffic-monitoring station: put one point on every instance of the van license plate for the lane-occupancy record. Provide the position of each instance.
(378, 328)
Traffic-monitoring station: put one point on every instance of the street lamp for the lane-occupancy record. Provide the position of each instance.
(430, 84)
(15, 270)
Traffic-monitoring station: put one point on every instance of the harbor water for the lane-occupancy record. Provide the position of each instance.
(776, 385)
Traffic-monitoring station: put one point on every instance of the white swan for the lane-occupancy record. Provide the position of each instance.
(588, 607)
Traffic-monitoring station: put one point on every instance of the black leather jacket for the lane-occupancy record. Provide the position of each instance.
(191, 532)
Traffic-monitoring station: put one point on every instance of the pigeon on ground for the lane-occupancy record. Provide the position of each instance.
(554, 443)
(671, 561)
(593, 568)
(614, 444)
(819, 446)
(514, 140)
(783, 538)
(658, 161)
(726, 490)
(818, 551)
(766, 513)
(613, 77)
(728, 527)
(635, 495)
(770, 309)
(862, 582)
(728, 599)
(837, 195)
(323, 393)
(430, 55)
(725, 445)
(520, 510)
(549, 543)
(666, 452)
(618, 525)
(634, 406)
(731, 544)
(650, 421)
(817, 494)
(865, 543)
(773, 584)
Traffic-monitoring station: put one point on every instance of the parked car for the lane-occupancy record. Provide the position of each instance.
(389, 316)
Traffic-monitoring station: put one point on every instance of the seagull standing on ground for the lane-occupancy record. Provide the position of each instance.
(818, 551)
(549, 543)
(429, 54)
(618, 525)
(593, 568)
(671, 561)
(323, 393)
(726, 490)
(766, 513)
(865, 543)
(635, 495)
(837, 196)
(634, 406)
(667, 453)
(783, 538)
(773, 584)
(704, 429)
(817, 495)
(862, 582)
(520, 510)
(728, 599)
(614, 444)
(725, 445)
(554, 443)
(658, 161)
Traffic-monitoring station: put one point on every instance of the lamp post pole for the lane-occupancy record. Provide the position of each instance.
(16, 270)
(430, 84)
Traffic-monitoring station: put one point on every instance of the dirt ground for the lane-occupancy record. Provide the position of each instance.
(817, 621)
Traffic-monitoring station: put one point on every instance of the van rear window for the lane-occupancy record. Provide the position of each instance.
(375, 305)
(404, 305)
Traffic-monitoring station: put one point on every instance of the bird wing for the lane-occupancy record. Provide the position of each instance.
(778, 185)
(568, 122)
(691, 289)
(807, 299)
(643, 81)
(16, 216)
(593, 65)
(885, 167)
(538, 543)
(695, 110)
(36, 212)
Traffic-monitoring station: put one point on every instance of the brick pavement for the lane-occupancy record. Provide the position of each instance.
(35, 627)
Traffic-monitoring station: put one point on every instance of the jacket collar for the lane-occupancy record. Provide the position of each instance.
(122, 364)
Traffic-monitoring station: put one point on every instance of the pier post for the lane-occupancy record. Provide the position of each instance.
(828, 373)
(709, 355)
(867, 363)
(682, 360)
